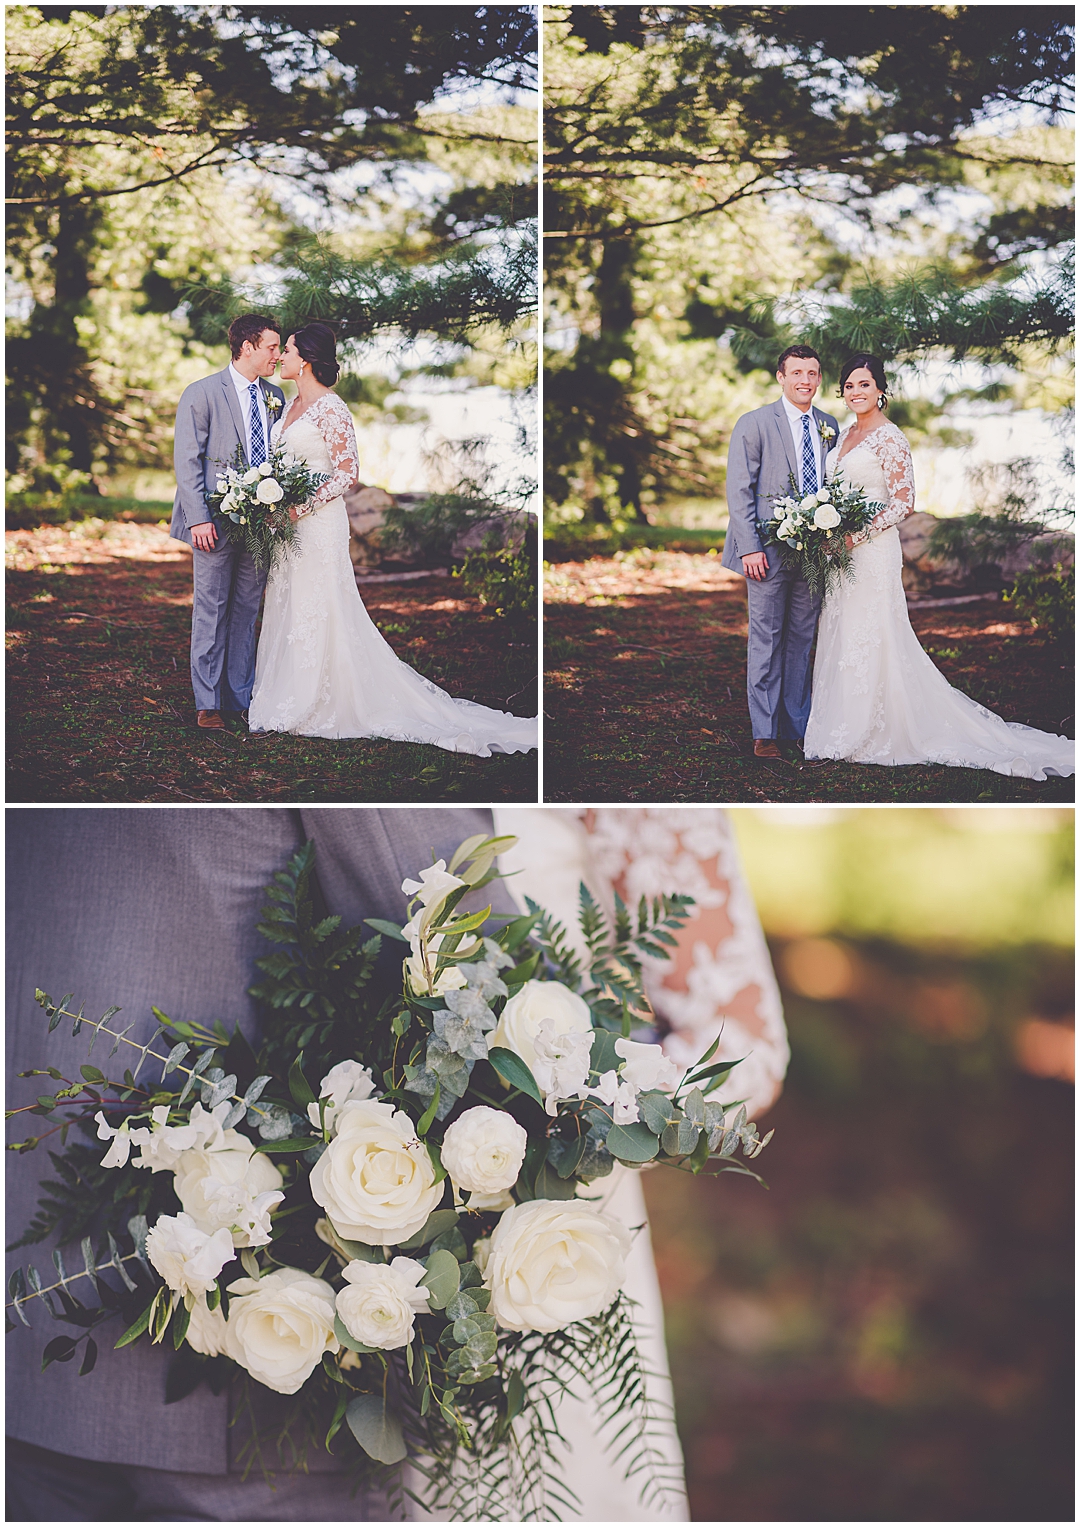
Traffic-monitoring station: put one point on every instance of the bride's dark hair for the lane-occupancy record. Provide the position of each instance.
(317, 345)
(876, 370)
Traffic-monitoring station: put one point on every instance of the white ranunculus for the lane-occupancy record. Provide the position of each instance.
(552, 1263)
(434, 885)
(206, 1330)
(251, 475)
(381, 1303)
(526, 1011)
(647, 1068)
(221, 1185)
(269, 491)
(826, 517)
(561, 1065)
(343, 1082)
(483, 1150)
(187, 1258)
(375, 1179)
(279, 1327)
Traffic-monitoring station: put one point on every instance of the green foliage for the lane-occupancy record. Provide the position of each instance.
(1046, 600)
(503, 580)
(429, 529)
(25, 511)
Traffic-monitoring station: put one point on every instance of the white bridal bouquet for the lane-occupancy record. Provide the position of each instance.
(383, 1208)
(810, 530)
(254, 502)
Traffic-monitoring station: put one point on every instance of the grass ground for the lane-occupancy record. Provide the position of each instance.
(99, 700)
(645, 695)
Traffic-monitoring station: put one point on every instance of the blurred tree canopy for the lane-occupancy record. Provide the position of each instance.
(128, 127)
(699, 162)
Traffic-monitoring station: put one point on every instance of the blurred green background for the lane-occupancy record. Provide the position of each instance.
(886, 1333)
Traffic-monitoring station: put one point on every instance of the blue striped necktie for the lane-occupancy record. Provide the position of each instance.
(258, 442)
(809, 459)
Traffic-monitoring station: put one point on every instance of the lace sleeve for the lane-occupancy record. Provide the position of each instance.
(720, 980)
(334, 422)
(893, 452)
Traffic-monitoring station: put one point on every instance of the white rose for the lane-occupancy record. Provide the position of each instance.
(826, 517)
(554, 1263)
(809, 503)
(187, 1258)
(343, 1082)
(265, 469)
(483, 1150)
(375, 1179)
(823, 495)
(647, 1068)
(524, 1013)
(204, 1176)
(380, 1305)
(269, 491)
(206, 1330)
(251, 475)
(279, 1327)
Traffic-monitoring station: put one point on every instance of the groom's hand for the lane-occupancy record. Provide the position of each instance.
(755, 566)
(203, 536)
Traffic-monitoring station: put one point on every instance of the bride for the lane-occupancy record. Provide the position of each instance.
(323, 668)
(877, 697)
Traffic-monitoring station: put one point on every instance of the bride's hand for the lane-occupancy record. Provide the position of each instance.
(293, 514)
(849, 543)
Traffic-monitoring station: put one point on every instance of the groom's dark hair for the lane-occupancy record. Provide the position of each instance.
(800, 352)
(249, 326)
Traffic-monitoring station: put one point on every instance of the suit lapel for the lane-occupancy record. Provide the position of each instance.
(234, 409)
(781, 421)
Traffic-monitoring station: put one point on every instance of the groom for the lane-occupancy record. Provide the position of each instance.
(232, 408)
(788, 437)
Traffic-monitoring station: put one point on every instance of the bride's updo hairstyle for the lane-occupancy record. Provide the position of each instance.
(317, 344)
(876, 370)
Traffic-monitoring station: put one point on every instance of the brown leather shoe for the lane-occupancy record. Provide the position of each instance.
(210, 719)
(765, 747)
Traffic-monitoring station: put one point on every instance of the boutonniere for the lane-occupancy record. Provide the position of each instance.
(825, 431)
(273, 402)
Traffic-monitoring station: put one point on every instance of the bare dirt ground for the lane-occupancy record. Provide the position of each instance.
(645, 693)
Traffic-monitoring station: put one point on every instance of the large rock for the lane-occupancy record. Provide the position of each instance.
(367, 506)
(924, 574)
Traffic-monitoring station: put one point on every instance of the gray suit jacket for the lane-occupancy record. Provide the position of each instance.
(761, 454)
(159, 906)
(209, 426)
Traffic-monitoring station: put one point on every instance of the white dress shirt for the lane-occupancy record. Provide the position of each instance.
(243, 392)
(795, 417)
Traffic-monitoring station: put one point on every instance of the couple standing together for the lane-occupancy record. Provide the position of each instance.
(322, 668)
(875, 696)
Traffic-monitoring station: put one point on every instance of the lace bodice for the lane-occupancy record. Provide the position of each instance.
(881, 463)
(721, 976)
(324, 436)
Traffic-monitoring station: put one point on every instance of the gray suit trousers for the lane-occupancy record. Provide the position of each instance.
(228, 588)
(782, 620)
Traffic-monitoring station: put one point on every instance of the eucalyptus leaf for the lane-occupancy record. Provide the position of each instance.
(376, 1428)
(441, 1278)
(632, 1142)
(438, 1222)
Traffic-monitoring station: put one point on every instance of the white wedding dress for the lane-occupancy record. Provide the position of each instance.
(722, 978)
(323, 668)
(877, 697)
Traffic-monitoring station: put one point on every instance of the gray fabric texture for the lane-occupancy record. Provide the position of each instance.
(43, 1486)
(761, 454)
(140, 906)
